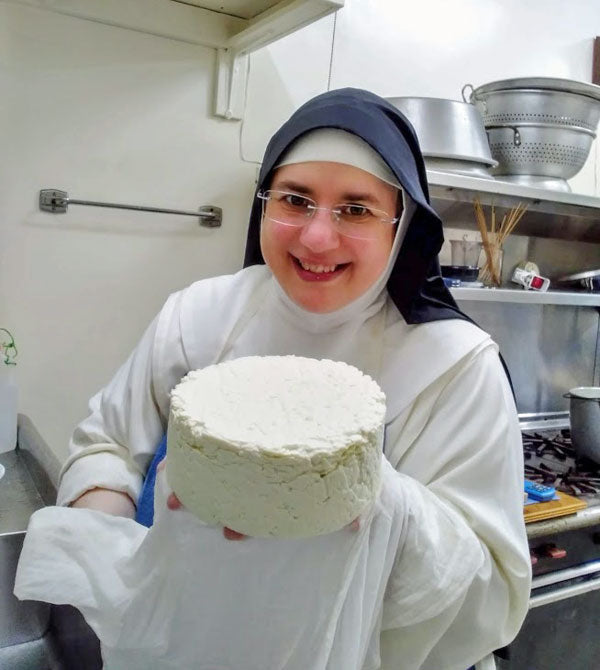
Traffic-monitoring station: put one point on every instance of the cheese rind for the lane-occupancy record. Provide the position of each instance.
(276, 446)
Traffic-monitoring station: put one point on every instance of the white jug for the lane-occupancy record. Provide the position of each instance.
(8, 407)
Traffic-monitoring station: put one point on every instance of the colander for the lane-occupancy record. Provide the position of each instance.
(538, 126)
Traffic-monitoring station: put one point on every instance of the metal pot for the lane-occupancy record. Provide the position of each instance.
(584, 411)
(449, 130)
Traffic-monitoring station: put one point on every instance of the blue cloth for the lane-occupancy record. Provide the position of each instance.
(145, 507)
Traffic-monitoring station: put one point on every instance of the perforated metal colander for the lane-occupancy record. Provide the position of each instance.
(539, 126)
(542, 150)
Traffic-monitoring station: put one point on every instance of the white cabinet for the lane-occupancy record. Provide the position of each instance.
(234, 27)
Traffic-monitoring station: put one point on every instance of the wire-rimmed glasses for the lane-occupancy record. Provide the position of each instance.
(350, 219)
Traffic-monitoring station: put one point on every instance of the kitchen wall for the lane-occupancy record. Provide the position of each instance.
(111, 114)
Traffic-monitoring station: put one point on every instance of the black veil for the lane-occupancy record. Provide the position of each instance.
(415, 284)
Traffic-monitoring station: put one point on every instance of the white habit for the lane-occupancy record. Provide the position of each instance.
(459, 588)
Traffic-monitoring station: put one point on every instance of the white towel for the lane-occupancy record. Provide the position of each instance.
(179, 595)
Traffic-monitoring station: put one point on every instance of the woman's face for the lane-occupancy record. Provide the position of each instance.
(320, 269)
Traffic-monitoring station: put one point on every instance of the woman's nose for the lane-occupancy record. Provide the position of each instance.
(320, 233)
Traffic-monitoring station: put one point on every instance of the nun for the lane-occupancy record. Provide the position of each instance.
(341, 263)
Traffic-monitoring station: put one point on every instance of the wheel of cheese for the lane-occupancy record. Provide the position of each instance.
(278, 446)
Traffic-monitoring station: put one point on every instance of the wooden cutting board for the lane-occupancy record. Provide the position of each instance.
(566, 504)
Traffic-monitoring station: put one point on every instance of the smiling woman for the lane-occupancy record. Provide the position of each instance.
(341, 264)
(319, 265)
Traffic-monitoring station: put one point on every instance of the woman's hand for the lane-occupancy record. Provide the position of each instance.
(174, 503)
(107, 501)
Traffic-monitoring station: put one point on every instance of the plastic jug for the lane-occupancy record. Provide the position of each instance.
(8, 407)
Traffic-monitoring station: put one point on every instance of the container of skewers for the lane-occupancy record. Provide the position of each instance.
(493, 238)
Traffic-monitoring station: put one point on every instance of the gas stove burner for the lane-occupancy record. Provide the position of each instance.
(550, 460)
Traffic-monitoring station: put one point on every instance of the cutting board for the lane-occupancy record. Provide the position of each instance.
(565, 504)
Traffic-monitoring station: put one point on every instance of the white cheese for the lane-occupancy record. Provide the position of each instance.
(276, 445)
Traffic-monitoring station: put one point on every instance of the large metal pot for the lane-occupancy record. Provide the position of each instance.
(584, 411)
(451, 134)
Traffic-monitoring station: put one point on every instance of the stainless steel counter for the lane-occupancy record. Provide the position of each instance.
(34, 635)
(30, 480)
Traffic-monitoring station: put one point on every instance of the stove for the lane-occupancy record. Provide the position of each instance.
(551, 460)
(561, 629)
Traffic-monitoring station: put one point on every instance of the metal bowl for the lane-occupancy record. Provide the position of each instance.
(582, 281)
(538, 149)
(468, 168)
(538, 126)
(448, 129)
(468, 273)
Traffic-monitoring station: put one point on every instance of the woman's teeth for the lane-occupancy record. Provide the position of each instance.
(318, 268)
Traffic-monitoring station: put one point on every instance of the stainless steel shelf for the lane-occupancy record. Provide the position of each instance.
(556, 214)
(527, 297)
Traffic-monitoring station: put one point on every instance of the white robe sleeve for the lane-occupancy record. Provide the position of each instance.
(114, 445)
(460, 584)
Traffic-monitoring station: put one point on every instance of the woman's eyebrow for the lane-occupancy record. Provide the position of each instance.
(360, 197)
(293, 186)
(349, 196)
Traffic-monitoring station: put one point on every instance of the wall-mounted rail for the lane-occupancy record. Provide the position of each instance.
(55, 201)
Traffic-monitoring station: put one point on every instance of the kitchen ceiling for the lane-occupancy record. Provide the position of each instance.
(245, 9)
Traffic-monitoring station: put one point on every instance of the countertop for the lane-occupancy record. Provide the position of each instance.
(30, 481)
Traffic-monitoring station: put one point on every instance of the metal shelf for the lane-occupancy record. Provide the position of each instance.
(555, 214)
(527, 297)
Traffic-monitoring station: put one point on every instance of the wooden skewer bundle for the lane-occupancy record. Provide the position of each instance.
(494, 239)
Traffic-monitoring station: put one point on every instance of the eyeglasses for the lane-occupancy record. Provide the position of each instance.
(350, 219)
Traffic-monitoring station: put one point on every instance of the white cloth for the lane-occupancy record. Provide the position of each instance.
(180, 595)
(451, 432)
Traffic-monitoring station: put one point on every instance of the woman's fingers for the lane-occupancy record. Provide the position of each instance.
(355, 525)
(232, 534)
(173, 502)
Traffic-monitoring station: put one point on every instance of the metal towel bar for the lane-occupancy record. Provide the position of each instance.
(56, 202)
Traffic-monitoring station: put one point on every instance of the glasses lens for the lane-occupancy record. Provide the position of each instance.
(291, 209)
(359, 221)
